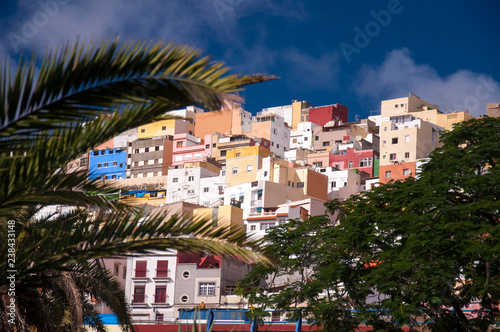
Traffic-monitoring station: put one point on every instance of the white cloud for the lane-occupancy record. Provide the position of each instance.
(399, 75)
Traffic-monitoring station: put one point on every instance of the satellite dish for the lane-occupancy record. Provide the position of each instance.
(288, 202)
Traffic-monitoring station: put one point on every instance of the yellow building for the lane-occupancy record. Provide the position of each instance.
(242, 164)
(166, 128)
(222, 216)
(300, 113)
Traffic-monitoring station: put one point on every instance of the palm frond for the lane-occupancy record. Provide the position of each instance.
(82, 81)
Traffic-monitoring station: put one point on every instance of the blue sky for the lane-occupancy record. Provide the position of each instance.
(351, 52)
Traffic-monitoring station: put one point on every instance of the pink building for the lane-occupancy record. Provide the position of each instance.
(363, 160)
(189, 148)
(324, 114)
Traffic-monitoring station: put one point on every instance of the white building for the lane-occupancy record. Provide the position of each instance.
(284, 111)
(150, 286)
(184, 182)
(303, 136)
(212, 190)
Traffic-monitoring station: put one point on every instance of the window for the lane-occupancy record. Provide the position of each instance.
(326, 143)
(300, 184)
(221, 188)
(106, 165)
(175, 180)
(113, 177)
(129, 155)
(316, 138)
(318, 164)
(334, 184)
(394, 140)
(102, 152)
(143, 131)
(159, 317)
(139, 295)
(265, 173)
(230, 290)
(121, 165)
(116, 270)
(407, 138)
(184, 298)
(365, 162)
(145, 162)
(385, 128)
(191, 192)
(164, 128)
(235, 170)
(266, 225)
(388, 174)
(136, 150)
(253, 227)
(407, 155)
(207, 289)
(190, 132)
(155, 161)
(272, 143)
(188, 157)
(162, 269)
(214, 145)
(206, 190)
(99, 165)
(392, 156)
(293, 184)
(249, 168)
(406, 172)
(140, 269)
(350, 164)
(294, 140)
(155, 173)
(289, 183)
(277, 146)
(124, 276)
(185, 274)
(207, 146)
(396, 106)
(179, 144)
(161, 294)
(306, 139)
(223, 153)
(402, 105)
(115, 163)
(190, 178)
(197, 155)
(146, 150)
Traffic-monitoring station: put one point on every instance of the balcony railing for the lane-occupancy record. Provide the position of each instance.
(256, 202)
(261, 214)
(141, 274)
(162, 274)
(139, 299)
(161, 298)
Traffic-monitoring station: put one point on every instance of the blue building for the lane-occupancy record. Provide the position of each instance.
(107, 164)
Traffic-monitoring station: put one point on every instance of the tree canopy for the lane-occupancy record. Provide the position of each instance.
(422, 251)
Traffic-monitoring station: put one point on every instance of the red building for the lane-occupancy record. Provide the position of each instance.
(324, 114)
(363, 160)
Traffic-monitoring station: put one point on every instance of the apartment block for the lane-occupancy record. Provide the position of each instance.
(150, 286)
(189, 148)
(229, 216)
(173, 126)
(303, 136)
(184, 182)
(336, 113)
(207, 279)
(149, 157)
(272, 127)
(107, 164)
(243, 162)
(300, 113)
(404, 140)
(227, 121)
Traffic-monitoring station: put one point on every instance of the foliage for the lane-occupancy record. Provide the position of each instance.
(51, 113)
(421, 250)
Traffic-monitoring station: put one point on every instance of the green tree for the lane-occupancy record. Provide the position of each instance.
(54, 110)
(408, 252)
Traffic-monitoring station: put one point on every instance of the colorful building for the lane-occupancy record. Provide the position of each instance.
(149, 157)
(107, 164)
(337, 113)
(189, 148)
(228, 121)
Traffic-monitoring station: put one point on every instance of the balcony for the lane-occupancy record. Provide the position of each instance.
(262, 214)
(161, 300)
(256, 202)
(140, 274)
(162, 274)
(139, 300)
